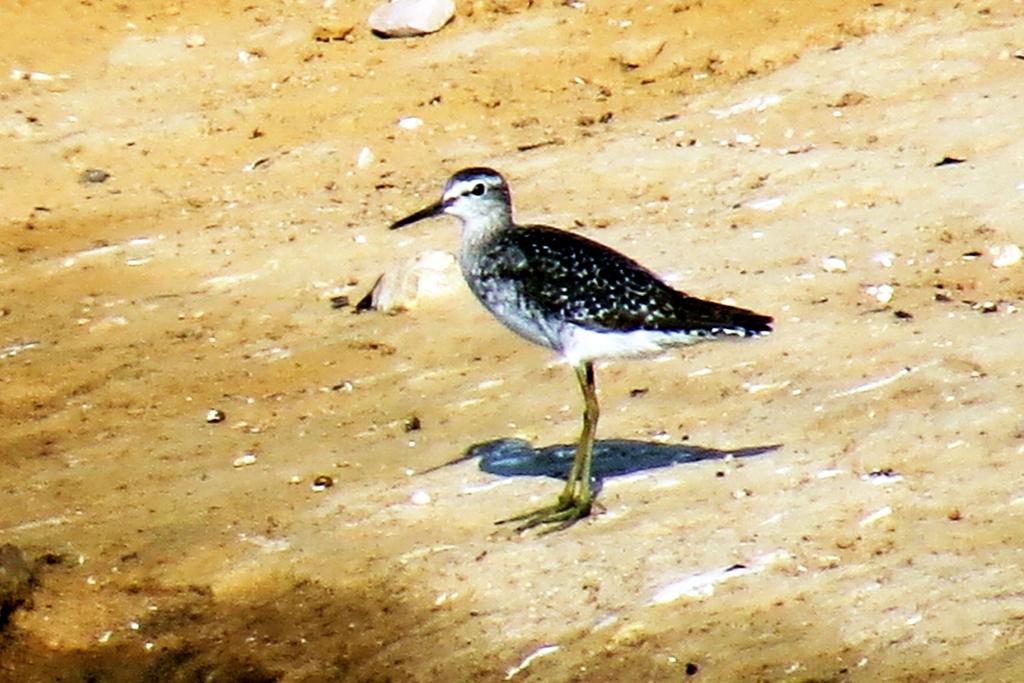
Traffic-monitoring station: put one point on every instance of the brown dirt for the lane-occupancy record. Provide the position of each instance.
(729, 145)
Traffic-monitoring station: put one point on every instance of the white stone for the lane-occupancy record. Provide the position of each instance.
(404, 18)
(881, 293)
(365, 157)
(1005, 255)
(767, 204)
(884, 258)
(833, 264)
(244, 460)
(881, 513)
(20, 75)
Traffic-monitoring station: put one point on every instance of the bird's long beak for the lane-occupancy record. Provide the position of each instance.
(435, 209)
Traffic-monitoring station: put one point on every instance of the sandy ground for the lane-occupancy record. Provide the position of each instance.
(785, 158)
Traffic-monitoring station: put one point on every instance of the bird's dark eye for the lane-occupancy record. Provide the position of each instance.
(478, 189)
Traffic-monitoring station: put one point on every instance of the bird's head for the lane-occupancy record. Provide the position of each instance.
(471, 195)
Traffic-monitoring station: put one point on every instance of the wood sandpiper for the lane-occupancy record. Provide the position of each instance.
(577, 297)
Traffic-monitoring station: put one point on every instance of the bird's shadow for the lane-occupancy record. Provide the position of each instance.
(612, 457)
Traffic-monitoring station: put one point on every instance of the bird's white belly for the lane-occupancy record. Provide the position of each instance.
(580, 344)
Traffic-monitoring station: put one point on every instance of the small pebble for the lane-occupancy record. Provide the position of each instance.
(244, 460)
(768, 204)
(986, 307)
(881, 293)
(322, 482)
(849, 99)
(884, 258)
(333, 29)
(195, 40)
(21, 75)
(108, 323)
(881, 513)
(1005, 255)
(833, 264)
(93, 175)
(420, 498)
(633, 53)
(213, 416)
(365, 157)
(410, 122)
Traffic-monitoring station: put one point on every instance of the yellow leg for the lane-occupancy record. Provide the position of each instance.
(575, 501)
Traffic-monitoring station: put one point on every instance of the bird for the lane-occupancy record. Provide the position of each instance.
(577, 297)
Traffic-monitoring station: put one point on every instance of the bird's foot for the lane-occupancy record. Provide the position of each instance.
(562, 515)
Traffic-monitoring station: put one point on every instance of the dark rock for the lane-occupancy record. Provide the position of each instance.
(93, 175)
(16, 581)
